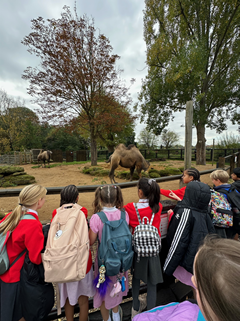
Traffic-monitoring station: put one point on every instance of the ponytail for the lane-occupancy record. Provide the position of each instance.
(151, 191)
(28, 197)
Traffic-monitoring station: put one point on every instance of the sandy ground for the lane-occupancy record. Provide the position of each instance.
(71, 174)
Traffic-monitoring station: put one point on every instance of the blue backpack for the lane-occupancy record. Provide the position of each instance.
(115, 250)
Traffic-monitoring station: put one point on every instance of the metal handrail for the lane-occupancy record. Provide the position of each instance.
(92, 188)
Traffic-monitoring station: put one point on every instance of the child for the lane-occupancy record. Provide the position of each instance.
(188, 226)
(79, 291)
(217, 279)
(109, 200)
(148, 269)
(236, 178)
(25, 234)
(217, 282)
(189, 175)
(220, 180)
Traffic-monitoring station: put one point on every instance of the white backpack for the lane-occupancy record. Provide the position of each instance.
(67, 251)
(146, 240)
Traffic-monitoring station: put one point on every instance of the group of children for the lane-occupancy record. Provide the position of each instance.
(188, 226)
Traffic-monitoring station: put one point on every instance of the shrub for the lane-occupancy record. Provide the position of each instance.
(174, 171)
(164, 173)
(154, 175)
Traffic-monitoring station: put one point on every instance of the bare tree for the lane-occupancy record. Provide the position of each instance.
(77, 77)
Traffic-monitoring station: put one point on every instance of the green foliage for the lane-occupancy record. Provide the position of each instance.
(6, 170)
(193, 54)
(164, 173)
(228, 141)
(169, 138)
(154, 174)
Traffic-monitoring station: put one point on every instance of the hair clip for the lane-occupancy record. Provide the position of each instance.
(150, 181)
(101, 187)
(114, 186)
(20, 204)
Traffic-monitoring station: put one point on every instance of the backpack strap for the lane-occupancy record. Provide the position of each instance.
(27, 216)
(138, 215)
(102, 216)
(17, 258)
(152, 218)
(123, 214)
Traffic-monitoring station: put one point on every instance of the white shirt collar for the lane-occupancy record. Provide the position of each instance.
(144, 200)
(109, 208)
(34, 211)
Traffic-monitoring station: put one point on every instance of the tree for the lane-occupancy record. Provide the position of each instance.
(229, 141)
(147, 139)
(77, 77)
(192, 54)
(169, 138)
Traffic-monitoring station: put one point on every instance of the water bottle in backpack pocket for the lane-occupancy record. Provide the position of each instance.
(115, 250)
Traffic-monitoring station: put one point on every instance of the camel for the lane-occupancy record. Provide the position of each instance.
(44, 156)
(130, 158)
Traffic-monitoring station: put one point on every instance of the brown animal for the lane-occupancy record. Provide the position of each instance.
(44, 156)
(130, 158)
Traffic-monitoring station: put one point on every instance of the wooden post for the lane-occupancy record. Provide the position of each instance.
(213, 151)
(188, 135)
(188, 138)
(232, 164)
(221, 162)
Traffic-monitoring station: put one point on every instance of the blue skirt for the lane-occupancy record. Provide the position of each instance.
(10, 305)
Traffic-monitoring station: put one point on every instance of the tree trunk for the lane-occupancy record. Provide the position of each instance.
(201, 145)
(93, 148)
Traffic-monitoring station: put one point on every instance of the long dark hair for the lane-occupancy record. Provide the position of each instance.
(151, 191)
(69, 194)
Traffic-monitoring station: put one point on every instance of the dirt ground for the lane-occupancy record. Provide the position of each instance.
(71, 174)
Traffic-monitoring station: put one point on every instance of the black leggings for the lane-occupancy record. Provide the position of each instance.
(151, 294)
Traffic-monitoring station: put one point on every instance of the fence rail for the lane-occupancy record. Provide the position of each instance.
(85, 155)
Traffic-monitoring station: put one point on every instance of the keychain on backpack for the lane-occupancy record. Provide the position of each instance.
(101, 282)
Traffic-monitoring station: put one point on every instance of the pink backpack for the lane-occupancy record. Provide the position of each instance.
(67, 251)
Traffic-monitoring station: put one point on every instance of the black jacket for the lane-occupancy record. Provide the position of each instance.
(189, 225)
(236, 185)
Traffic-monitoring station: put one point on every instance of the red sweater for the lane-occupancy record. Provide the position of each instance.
(85, 211)
(28, 234)
(179, 192)
(130, 209)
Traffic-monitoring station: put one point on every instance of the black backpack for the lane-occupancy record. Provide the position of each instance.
(233, 197)
(37, 296)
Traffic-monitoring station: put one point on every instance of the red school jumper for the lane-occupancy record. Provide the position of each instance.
(85, 211)
(179, 192)
(28, 234)
(144, 212)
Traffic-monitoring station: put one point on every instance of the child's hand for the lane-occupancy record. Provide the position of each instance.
(174, 196)
(169, 212)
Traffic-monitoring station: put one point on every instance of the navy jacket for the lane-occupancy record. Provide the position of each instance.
(188, 227)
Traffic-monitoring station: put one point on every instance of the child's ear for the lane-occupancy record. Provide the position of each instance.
(77, 198)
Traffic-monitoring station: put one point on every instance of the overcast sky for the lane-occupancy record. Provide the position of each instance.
(119, 20)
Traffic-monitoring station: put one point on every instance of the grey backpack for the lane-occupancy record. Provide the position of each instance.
(146, 240)
(4, 260)
(115, 250)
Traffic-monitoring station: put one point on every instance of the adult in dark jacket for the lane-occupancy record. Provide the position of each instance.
(188, 227)
(236, 178)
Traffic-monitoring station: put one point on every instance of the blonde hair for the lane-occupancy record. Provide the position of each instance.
(28, 197)
(220, 175)
(217, 275)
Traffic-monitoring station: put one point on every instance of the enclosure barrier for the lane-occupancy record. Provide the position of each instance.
(92, 188)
